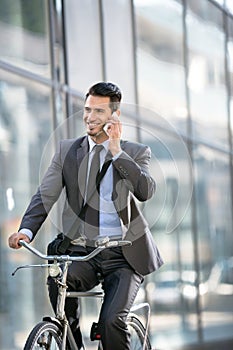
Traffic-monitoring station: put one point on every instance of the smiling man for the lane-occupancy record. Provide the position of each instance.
(111, 210)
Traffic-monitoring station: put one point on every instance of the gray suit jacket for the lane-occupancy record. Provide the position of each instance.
(132, 182)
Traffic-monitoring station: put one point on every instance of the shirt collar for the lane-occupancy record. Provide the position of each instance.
(92, 144)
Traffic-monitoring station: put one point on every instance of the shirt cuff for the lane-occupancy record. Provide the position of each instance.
(117, 155)
(27, 232)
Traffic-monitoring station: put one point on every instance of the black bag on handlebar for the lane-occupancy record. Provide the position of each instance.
(53, 247)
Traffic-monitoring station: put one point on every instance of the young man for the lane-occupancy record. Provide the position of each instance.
(111, 211)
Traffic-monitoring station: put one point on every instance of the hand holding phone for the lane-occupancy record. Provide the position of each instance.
(113, 129)
(107, 126)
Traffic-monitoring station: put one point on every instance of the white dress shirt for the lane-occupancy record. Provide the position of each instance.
(109, 221)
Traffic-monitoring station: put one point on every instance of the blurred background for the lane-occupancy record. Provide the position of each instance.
(173, 60)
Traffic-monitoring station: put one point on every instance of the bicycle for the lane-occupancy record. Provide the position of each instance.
(54, 333)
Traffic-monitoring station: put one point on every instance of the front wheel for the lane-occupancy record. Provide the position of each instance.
(45, 336)
(138, 334)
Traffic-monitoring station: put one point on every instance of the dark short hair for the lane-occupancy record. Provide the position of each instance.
(106, 90)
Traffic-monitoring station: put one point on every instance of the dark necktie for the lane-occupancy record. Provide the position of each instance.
(92, 197)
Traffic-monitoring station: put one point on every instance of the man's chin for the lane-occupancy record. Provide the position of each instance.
(94, 133)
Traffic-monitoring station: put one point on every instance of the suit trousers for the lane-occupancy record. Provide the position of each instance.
(120, 284)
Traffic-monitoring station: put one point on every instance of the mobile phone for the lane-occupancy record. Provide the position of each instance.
(105, 127)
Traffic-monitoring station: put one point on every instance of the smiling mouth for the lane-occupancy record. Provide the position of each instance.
(93, 125)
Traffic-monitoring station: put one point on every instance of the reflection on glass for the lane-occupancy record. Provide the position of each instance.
(83, 43)
(206, 79)
(174, 319)
(230, 66)
(214, 220)
(25, 125)
(24, 35)
(160, 59)
(220, 2)
(229, 5)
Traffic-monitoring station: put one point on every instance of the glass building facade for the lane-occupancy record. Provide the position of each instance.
(173, 60)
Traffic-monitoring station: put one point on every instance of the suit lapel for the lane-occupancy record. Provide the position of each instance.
(82, 162)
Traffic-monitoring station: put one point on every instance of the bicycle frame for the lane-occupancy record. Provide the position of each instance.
(60, 275)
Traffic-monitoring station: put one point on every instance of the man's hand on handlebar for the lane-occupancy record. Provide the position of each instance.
(14, 239)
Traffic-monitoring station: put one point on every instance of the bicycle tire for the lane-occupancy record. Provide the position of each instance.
(45, 335)
(138, 334)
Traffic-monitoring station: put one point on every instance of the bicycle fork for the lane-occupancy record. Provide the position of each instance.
(60, 311)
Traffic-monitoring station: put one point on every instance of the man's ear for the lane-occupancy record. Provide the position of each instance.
(118, 112)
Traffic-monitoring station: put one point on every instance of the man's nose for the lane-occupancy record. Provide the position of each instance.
(90, 120)
(90, 117)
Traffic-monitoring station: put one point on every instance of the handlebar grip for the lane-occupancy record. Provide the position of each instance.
(112, 244)
(125, 243)
(33, 250)
(23, 243)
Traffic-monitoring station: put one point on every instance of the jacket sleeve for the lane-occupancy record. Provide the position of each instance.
(135, 170)
(45, 197)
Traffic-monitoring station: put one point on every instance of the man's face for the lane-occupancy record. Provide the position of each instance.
(96, 114)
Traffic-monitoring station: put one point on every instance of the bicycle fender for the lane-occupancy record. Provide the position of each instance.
(53, 320)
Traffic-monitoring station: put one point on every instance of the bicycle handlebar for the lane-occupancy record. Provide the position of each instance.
(101, 246)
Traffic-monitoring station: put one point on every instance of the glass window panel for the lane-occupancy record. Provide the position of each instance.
(83, 39)
(214, 222)
(25, 126)
(160, 67)
(206, 79)
(75, 120)
(230, 67)
(24, 38)
(229, 5)
(118, 46)
(220, 2)
(174, 318)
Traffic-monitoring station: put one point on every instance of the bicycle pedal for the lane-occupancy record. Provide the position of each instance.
(95, 334)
